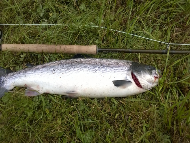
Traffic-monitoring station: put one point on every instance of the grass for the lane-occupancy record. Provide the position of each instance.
(160, 115)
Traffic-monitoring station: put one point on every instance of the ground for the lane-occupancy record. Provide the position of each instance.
(160, 115)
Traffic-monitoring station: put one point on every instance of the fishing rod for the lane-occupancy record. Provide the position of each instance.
(80, 49)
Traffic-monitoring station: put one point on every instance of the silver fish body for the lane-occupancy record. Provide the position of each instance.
(94, 78)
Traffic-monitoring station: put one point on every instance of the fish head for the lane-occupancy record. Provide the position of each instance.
(145, 76)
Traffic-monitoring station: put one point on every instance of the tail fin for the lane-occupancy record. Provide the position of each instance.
(3, 72)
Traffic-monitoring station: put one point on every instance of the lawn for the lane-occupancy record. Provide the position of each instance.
(159, 115)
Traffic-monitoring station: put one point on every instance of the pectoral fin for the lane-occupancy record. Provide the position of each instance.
(122, 83)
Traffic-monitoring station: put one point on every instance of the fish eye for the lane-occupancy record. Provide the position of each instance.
(154, 72)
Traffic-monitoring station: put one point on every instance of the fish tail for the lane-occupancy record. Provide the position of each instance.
(3, 90)
(3, 72)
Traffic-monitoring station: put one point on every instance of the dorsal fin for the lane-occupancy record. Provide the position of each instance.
(81, 56)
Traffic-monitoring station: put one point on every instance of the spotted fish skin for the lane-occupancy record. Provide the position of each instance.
(91, 77)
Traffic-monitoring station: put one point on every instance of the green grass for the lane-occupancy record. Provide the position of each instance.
(160, 115)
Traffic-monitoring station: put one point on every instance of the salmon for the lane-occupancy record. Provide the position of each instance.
(91, 77)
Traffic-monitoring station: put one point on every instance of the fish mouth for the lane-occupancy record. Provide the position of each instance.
(156, 78)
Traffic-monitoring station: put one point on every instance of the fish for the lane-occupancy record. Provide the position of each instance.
(90, 77)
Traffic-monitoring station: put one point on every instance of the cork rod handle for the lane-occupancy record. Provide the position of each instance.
(38, 48)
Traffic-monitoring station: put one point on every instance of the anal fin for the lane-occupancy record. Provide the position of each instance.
(71, 93)
(30, 92)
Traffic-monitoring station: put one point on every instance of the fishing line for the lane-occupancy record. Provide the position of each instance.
(30, 24)
(142, 37)
(95, 26)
